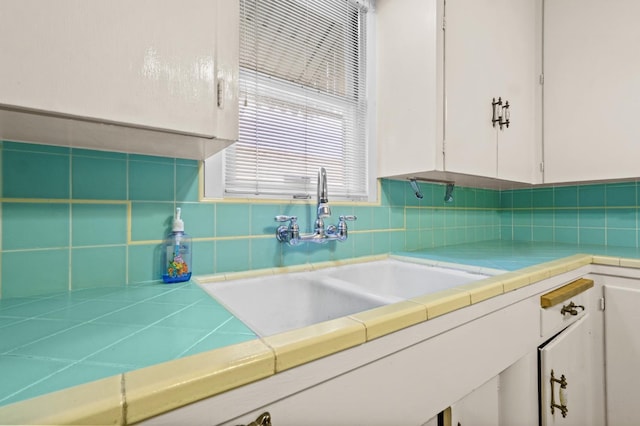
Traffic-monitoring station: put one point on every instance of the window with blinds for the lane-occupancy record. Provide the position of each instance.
(303, 99)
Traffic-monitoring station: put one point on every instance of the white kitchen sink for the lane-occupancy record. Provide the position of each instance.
(403, 279)
(276, 303)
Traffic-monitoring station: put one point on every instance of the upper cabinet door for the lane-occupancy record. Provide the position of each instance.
(591, 89)
(152, 64)
(491, 51)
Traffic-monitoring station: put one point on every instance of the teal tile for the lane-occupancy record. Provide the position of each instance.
(187, 183)
(505, 217)
(565, 196)
(365, 218)
(145, 263)
(98, 224)
(506, 199)
(343, 250)
(385, 192)
(151, 221)
(141, 314)
(34, 175)
(87, 310)
(30, 331)
(542, 197)
(412, 240)
(19, 373)
(397, 218)
(197, 317)
(543, 233)
(263, 218)
(506, 233)
(591, 195)
(381, 243)
(450, 218)
(265, 253)
(296, 255)
(187, 162)
(621, 218)
(522, 198)
(592, 218)
(397, 192)
(99, 178)
(426, 238)
(565, 218)
(439, 218)
(98, 267)
(438, 239)
(150, 346)
(543, 217)
(217, 340)
(151, 181)
(199, 219)
(234, 219)
(185, 296)
(79, 342)
(362, 244)
(203, 257)
(592, 236)
(522, 217)
(413, 218)
(567, 235)
(321, 252)
(147, 292)
(235, 326)
(622, 237)
(28, 273)
(522, 233)
(621, 194)
(381, 218)
(81, 152)
(396, 240)
(233, 255)
(426, 218)
(33, 147)
(153, 159)
(34, 225)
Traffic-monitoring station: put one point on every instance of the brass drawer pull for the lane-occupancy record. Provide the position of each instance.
(571, 308)
(565, 292)
(263, 419)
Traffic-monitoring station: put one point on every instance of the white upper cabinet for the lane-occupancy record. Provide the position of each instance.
(162, 74)
(591, 90)
(440, 64)
(491, 52)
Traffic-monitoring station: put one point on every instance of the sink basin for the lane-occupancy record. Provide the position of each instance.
(277, 303)
(402, 279)
(271, 305)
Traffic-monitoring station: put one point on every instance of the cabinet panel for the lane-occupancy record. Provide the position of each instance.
(480, 407)
(591, 90)
(622, 345)
(152, 65)
(567, 358)
(491, 51)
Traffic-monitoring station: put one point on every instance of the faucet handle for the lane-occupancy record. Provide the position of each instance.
(347, 217)
(283, 218)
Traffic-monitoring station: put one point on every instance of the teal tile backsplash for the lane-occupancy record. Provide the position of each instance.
(602, 214)
(76, 218)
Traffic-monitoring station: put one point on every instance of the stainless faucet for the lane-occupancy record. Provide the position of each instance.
(291, 234)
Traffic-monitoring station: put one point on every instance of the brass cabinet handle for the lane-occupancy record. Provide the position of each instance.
(571, 308)
(263, 419)
(563, 403)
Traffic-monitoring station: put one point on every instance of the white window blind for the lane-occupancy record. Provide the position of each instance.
(302, 99)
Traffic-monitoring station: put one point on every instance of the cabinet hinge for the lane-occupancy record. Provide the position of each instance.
(602, 304)
(444, 23)
(542, 167)
(541, 79)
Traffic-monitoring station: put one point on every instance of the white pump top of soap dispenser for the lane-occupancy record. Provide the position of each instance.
(178, 224)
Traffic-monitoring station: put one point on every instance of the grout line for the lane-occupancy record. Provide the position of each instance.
(203, 338)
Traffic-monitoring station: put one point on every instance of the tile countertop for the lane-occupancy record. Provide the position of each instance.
(213, 356)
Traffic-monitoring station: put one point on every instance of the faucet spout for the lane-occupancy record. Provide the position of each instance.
(323, 198)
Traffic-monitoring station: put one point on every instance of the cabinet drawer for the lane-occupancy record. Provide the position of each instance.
(564, 305)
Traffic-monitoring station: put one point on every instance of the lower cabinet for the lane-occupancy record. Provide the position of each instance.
(622, 346)
(565, 377)
(480, 407)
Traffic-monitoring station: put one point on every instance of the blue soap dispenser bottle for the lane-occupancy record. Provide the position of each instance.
(177, 253)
